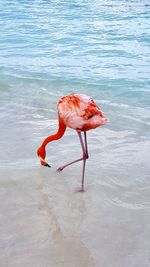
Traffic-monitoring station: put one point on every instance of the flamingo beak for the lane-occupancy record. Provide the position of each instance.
(41, 154)
(44, 163)
(47, 165)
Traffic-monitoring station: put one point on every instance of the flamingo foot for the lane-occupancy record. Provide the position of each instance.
(60, 169)
(79, 190)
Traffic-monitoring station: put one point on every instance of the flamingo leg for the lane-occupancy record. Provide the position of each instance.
(86, 147)
(84, 157)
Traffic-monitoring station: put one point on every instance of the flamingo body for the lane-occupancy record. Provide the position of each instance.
(81, 113)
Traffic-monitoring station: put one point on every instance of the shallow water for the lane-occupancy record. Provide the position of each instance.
(49, 49)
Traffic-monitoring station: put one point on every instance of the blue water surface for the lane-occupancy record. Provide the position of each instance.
(100, 48)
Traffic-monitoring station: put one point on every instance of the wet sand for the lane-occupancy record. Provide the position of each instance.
(32, 234)
(44, 223)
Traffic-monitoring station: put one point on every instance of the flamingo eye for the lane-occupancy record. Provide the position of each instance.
(89, 117)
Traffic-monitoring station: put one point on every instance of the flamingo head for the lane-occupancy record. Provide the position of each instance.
(41, 152)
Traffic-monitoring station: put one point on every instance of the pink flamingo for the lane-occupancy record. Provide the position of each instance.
(81, 113)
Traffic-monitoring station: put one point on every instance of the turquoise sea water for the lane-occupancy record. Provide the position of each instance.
(49, 49)
(102, 49)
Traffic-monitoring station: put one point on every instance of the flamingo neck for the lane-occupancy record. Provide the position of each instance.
(58, 135)
(41, 152)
